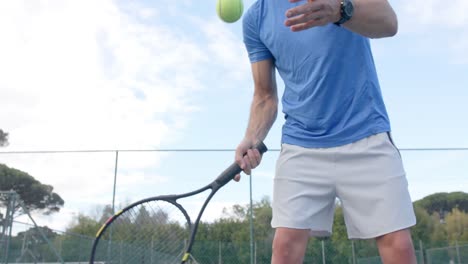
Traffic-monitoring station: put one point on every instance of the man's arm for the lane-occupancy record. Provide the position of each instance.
(263, 112)
(372, 18)
(264, 106)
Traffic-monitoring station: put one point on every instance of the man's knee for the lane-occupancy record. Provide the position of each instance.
(399, 241)
(284, 246)
(289, 245)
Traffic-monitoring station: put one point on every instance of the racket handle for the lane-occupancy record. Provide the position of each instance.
(235, 169)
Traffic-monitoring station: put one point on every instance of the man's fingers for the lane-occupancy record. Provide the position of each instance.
(258, 156)
(311, 14)
(302, 19)
(252, 159)
(310, 7)
(247, 160)
(239, 159)
(237, 177)
(307, 25)
(247, 167)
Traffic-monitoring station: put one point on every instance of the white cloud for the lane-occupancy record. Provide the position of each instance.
(433, 28)
(226, 50)
(97, 82)
(438, 14)
(95, 75)
(224, 44)
(73, 80)
(85, 75)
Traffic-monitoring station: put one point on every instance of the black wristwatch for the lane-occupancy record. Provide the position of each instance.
(347, 10)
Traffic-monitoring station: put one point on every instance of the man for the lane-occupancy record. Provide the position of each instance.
(336, 136)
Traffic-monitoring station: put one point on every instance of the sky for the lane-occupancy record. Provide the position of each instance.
(152, 75)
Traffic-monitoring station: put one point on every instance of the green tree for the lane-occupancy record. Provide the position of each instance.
(84, 225)
(35, 195)
(35, 245)
(240, 215)
(443, 202)
(439, 233)
(231, 234)
(340, 248)
(78, 238)
(457, 225)
(424, 226)
(3, 138)
(107, 212)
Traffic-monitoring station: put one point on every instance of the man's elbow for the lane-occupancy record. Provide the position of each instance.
(391, 24)
(392, 27)
(388, 29)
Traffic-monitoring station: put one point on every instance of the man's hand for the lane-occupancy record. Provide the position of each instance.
(313, 13)
(247, 157)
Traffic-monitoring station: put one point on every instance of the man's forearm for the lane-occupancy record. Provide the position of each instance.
(373, 19)
(263, 114)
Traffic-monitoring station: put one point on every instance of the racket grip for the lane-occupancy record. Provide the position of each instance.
(235, 169)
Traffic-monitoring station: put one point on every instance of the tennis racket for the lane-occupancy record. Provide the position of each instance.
(156, 229)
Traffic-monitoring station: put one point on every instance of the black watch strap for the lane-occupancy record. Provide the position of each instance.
(346, 11)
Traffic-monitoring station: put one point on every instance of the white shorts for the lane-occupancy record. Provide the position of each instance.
(367, 176)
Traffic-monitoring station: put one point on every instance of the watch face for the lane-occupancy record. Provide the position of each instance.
(348, 8)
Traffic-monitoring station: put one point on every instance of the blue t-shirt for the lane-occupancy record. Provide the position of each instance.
(332, 95)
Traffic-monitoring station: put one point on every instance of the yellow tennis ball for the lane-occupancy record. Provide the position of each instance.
(229, 10)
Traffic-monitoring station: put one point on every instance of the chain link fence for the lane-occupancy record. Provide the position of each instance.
(32, 246)
(455, 254)
(29, 246)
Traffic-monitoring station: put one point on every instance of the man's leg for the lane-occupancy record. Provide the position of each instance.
(303, 200)
(289, 245)
(397, 248)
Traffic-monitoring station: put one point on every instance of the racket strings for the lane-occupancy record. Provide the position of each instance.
(152, 232)
(171, 239)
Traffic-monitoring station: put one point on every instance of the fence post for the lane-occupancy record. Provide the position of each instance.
(41, 232)
(81, 248)
(115, 180)
(457, 248)
(251, 223)
(421, 251)
(323, 251)
(255, 253)
(220, 259)
(121, 252)
(8, 224)
(151, 251)
(354, 253)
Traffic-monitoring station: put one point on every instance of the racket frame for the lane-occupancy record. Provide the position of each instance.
(226, 176)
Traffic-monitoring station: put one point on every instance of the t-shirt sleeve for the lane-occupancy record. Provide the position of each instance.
(256, 49)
